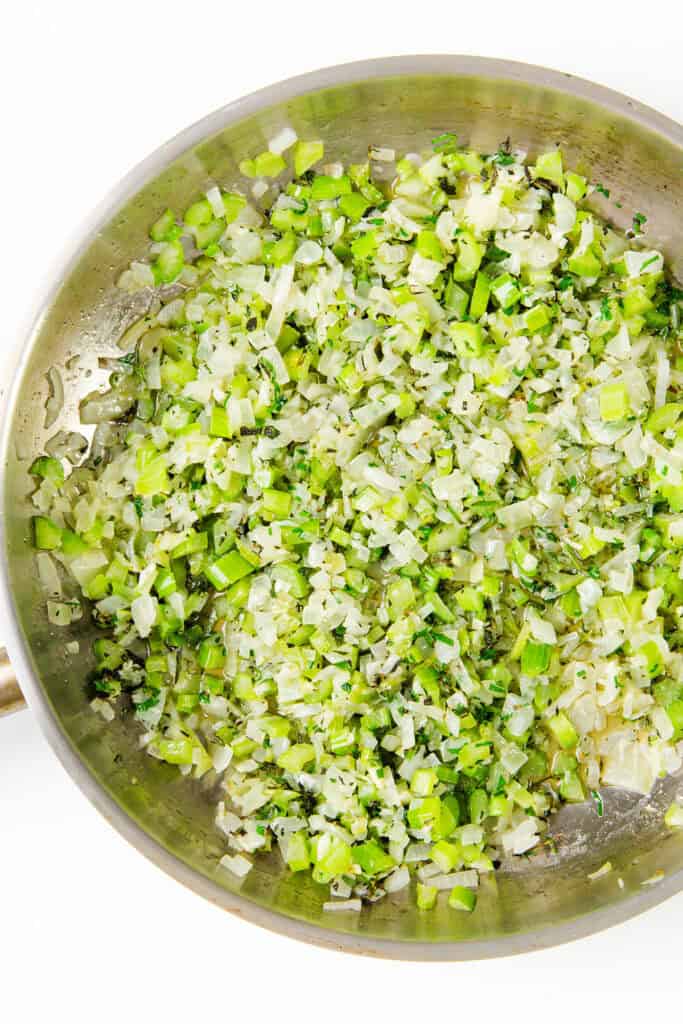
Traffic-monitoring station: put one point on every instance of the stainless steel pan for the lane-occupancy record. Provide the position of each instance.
(402, 102)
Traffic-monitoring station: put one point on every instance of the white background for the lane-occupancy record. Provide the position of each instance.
(89, 931)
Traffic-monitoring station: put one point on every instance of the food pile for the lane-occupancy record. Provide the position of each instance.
(383, 513)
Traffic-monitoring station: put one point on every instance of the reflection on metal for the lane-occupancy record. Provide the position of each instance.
(11, 697)
(400, 102)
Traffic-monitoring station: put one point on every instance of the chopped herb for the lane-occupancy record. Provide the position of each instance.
(447, 142)
(504, 159)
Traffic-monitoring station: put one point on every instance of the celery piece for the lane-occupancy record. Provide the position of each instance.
(446, 855)
(563, 731)
(332, 856)
(49, 469)
(575, 186)
(353, 205)
(175, 751)
(372, 858)
(460, 898)
(470, 600)
(296, 757)
(292, 579)
(424, 812)
(46, 534)
(520, 795)
(219, 423)
(281, 251)
(211, 654)
(440, 608)
(207, 234)
(169, 263)
(548, 166)
(675, 712)
(325, 187)
(162, 229)
(233, 204)
(456, 300)
(664, 418)
(406, 406)
(109, 654)
(652, 656)
(265, 165)
(192, 544)
(364, 245)
(478, 805)
(480, 295)
(228, 570)
(425, 896)
(571, 788)
(537, 317)
(468, 339)
(448, 816)
(585, 264)
(401, 597)
(636, 300)
(671, 529)
(423, 782)
(152, 475)
(306, 154)
(72, 544)
(198, 213)
(277, 504)
(186, 703)
(470, 253)
(428, 245)
(445, 538)
(535, 658)
(298, 857)
(505, 291)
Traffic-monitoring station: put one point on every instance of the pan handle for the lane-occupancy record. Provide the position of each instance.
(11, 697)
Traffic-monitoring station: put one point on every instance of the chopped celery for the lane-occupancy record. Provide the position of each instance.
(297, 757)
(386, 495)
(306, 154)
(298, 855)
(425, 896)
(325, 187)
(480, 296)
(563, 731)
(49, 469)
(548, 166)
(265, 165)
(228, 570)
(468, 339)
(161, 230)
(175, 751)
(428, 245)
(169, 262)
(505, 291)
(584, 264)
(372, 859)
(535, 658)
(460, 898)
